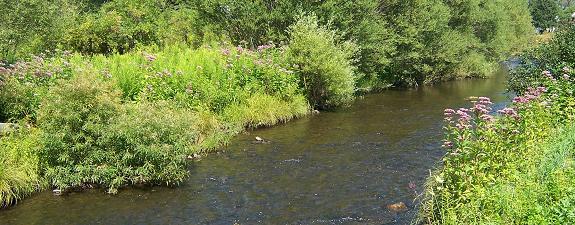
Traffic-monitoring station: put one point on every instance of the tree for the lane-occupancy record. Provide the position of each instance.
(544, 12)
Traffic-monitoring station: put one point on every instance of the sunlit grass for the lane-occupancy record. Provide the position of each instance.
(19, 175)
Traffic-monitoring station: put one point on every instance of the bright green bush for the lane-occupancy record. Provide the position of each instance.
(323, 64)
(91, 138)
(147, 144)
(19, 175)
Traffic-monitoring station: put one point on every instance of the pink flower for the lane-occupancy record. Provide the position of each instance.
(225, 52)
(487, 118)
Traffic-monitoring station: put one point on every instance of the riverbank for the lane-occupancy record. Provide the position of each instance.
(511, 168)
(340, 166)
(134, 119)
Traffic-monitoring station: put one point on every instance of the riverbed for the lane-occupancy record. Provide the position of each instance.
(341, 167)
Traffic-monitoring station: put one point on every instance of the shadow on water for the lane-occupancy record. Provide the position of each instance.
(340, 167)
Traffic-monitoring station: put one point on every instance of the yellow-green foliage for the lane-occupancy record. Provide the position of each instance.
(516, 168)
(264, 110)
(19, 175)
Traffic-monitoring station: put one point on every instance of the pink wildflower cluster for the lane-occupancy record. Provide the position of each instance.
(531, 94)
(149, 57)
(462, 118)
(40, 68)
(264, 47)
(566, 72)
(511, 112)
(548, 74)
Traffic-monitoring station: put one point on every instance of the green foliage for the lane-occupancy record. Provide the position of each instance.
(23, 84)
(73, 116)
(32, 26)
(497, 172)
(323, 64)
(544, 12)
(197, 78)
(118, 26)
(258, 22)
(19, 175)
(439, 40)
(553, 56)
(264, 110)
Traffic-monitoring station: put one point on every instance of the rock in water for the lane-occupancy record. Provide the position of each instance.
(57, 192)
(397, 207)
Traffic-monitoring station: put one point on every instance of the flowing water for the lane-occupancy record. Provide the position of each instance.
(340, 167)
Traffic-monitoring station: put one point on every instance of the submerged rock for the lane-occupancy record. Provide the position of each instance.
(397, 207)
(260, 140)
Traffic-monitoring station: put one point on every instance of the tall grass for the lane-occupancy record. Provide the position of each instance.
(19, 174)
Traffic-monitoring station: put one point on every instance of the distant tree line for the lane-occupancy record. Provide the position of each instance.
(400, 42)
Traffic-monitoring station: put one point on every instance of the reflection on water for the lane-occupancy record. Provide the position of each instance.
(340, 167)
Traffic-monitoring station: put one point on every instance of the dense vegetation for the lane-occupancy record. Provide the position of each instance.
(515, 167)
(111, 93)
(554, 55)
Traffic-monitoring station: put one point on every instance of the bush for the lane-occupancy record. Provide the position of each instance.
(74, 115)
(90, 138)
(496, 171)
(148, 144)
(19, 175)
(553, 56)
(323, 64)
(23, 84)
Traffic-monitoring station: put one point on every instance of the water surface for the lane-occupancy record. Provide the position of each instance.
(340, 167)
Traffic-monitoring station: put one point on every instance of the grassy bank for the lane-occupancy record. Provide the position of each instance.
(143, 86)
(511, 168)
(139, 118)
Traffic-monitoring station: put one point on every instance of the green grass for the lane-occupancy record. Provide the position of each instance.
(19, 174)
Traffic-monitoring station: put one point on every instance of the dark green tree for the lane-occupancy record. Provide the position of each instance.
(544, 12)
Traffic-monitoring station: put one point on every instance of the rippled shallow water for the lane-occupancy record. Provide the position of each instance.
(340, 167)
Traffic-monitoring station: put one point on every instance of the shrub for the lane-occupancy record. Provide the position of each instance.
(19, 175)
(323, 64)
(23, 84)
(73, 116)
(496, 170)
(91, 138)
(553, 56)
(148, 144)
